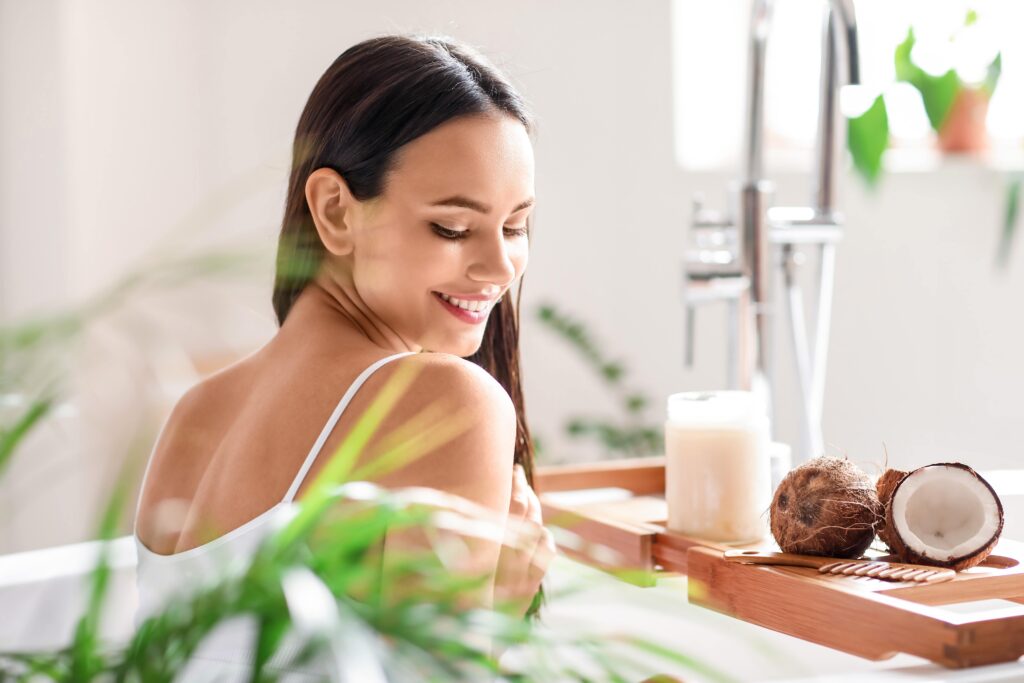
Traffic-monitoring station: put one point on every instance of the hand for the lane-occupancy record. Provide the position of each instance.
(527, 550)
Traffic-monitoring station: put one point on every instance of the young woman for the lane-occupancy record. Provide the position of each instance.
(405, 236)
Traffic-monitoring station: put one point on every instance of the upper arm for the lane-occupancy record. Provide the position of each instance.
(460, 427)
(170, 478)
(477, 419)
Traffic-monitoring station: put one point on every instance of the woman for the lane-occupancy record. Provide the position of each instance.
(405, 229)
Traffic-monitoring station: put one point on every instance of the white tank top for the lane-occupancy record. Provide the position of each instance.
(228, 649)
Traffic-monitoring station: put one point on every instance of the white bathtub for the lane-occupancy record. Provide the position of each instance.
(43, 593)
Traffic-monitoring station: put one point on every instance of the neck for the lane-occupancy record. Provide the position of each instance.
(328, 303)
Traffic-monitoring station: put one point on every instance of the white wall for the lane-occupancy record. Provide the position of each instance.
(33, 156)
(127, 126)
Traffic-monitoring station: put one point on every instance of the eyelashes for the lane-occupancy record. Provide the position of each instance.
(517, 232)
(463, 234)
(449, 234)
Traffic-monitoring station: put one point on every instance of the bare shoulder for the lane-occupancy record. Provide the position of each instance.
(212, 403)
(462, 381)
(184, 448)
(459, 386)
(457, 415)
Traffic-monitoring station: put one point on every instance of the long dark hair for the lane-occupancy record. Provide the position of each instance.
(377, 96)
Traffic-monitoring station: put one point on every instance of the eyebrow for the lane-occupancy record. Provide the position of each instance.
(467, 203)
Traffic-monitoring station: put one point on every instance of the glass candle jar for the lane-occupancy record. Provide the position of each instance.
(717, 466)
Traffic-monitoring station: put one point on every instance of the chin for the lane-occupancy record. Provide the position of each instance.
(467, 350)
(463, 350)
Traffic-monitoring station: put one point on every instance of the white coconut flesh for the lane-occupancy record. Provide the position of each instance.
(944, 512)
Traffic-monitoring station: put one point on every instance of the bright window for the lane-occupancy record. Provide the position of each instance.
(710, 52)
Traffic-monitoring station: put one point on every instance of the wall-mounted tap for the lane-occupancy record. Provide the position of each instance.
(733, 255)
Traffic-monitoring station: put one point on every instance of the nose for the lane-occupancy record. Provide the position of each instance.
(491, 261)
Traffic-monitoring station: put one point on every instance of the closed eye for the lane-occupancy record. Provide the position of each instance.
(517, 232)
(450, 234)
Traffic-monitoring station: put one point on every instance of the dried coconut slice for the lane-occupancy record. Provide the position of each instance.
(944, 515)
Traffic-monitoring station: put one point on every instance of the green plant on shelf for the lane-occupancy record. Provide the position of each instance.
(632, 434)
(954, 102)
(955, 105)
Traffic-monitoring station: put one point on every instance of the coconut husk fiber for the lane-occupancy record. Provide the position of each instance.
(827, 506)
(886, 484)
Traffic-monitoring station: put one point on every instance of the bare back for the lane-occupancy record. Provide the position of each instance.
(235, 441)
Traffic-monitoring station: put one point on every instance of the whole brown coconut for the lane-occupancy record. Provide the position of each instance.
(827, 506)
(886, 484)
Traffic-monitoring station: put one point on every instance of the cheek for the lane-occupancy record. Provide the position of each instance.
(520, 256)
(396, 276)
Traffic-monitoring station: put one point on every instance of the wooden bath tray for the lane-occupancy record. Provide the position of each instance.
(871, 618)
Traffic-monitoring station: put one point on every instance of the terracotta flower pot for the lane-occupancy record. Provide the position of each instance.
(963, 131)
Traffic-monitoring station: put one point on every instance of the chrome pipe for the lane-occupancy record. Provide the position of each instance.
(760, 25)
(810, 426)
(836, 12)
(822, 327)
(756, 265)
(734, 259)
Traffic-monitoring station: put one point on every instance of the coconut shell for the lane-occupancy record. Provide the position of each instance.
(905, 554)
(884, 487)
(827, 506)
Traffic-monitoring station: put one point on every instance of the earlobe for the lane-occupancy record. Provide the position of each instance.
(331, 206)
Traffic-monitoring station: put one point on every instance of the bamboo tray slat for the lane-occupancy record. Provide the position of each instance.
(868, 617)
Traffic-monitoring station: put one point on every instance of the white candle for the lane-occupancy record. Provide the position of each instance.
(717, 466)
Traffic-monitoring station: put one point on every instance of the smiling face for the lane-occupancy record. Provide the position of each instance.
(451, 221)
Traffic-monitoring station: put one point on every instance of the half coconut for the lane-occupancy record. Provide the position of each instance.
(944, 515)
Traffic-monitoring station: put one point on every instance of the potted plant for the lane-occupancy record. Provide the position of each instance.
(956, 103)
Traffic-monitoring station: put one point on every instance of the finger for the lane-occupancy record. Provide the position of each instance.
(546, 550)
(534, 510)
(519, 503)
(529, 497)
(522, 534)
(518, 577)
(543, 553)
(533, 539)
(513, 566)
(520, 543)
(518, 506)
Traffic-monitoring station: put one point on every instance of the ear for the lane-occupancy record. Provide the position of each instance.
(332, 207)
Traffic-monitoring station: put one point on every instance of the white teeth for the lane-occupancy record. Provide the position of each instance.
(475, 306)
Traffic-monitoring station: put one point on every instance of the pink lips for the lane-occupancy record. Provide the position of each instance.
(462, 314)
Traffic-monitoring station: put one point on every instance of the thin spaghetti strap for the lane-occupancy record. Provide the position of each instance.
(332, 421)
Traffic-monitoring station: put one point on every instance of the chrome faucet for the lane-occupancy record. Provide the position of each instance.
(733, 256)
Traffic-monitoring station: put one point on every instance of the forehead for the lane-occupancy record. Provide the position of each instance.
(486, 157)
